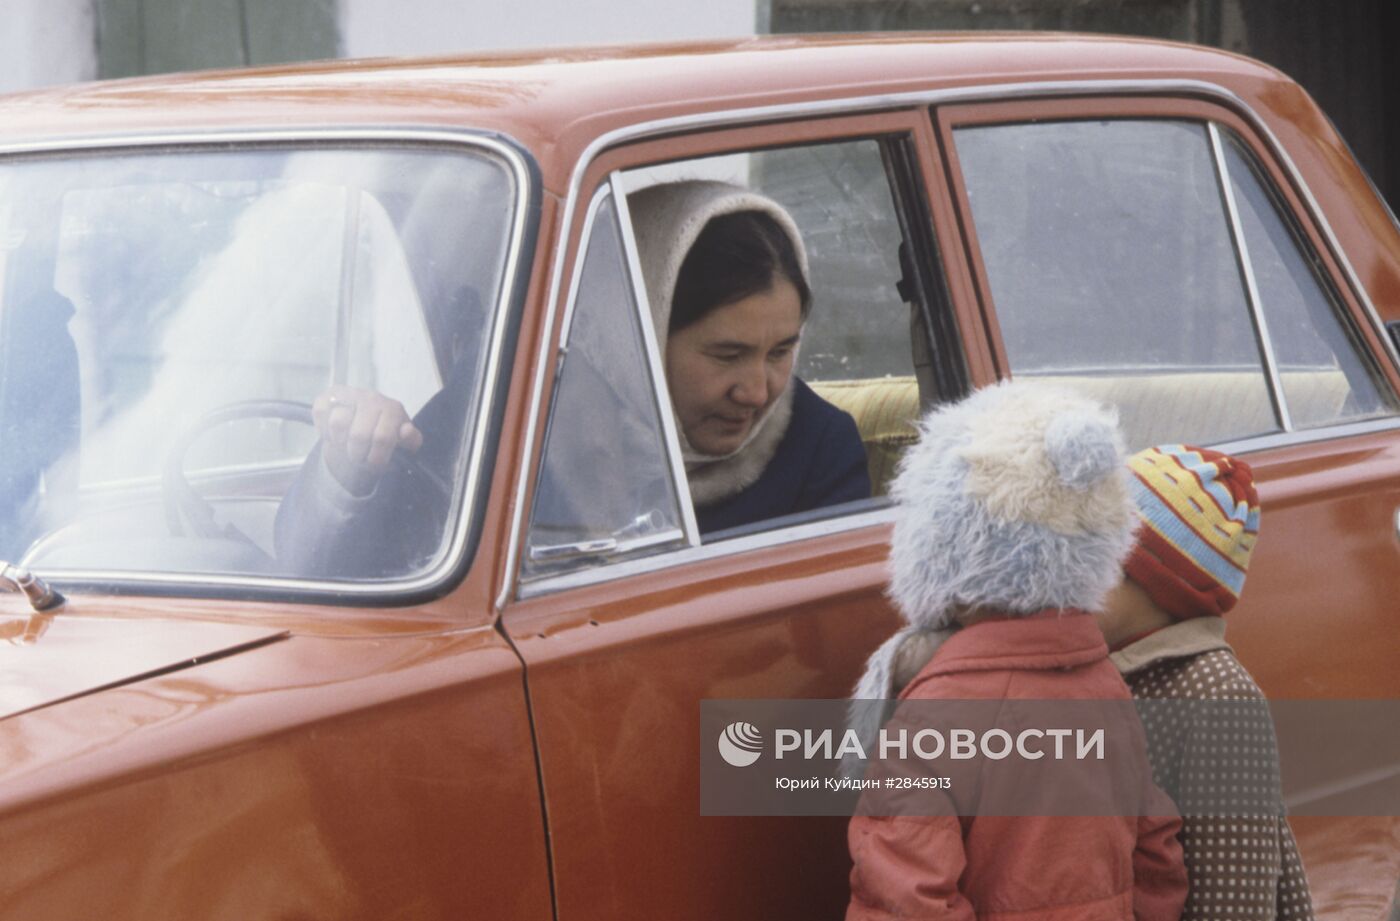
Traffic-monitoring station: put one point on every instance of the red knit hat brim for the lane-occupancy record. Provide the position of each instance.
(1173, 580)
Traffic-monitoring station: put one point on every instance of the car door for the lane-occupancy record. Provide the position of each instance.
(214, 723)
(1158, 253)
(626, 619)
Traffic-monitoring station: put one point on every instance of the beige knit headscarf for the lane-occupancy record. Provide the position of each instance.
(666, 221)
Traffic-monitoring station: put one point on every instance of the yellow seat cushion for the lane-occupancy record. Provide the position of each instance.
(1195, 406)
(885, 410)
(1206, 407)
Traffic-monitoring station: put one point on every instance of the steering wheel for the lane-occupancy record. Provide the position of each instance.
(180, 500)
(183, 504)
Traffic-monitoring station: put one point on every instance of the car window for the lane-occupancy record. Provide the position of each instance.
(619, 475)
(605, 491)
(858, 350)
(1121, 264)
(168, 318)
(1108, 250)
(264, 251)
(1326, 376)
(839, 195)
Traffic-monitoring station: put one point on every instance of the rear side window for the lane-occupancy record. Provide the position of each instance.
(1326, 376)
(1135, 260)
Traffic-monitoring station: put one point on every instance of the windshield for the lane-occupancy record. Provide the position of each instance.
(184, 335)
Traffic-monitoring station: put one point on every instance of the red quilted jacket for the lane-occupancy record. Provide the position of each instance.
(1022, 867)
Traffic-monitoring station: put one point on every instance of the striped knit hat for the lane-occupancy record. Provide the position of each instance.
(1200, 519)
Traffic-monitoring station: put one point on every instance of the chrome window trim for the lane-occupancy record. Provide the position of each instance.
(1333, 246)
(1274, 440)
(567, 323)
(887, 101)
(660, 392)
(1251, 286)
(886, 515)
(612, 571)
(218, 141)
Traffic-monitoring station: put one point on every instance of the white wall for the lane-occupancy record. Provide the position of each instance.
(377, 27)
(48, 42)
(44, 42)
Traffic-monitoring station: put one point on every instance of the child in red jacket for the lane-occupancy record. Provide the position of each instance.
(1013, 521)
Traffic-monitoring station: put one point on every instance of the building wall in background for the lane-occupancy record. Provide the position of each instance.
(159, 36)
(44, 42)
(1341, 53)
(1339, 50)
(1183, 20)
(375, 27)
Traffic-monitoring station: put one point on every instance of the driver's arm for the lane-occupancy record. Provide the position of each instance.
(320, 522)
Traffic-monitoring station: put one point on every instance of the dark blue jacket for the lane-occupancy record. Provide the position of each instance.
(819, 462)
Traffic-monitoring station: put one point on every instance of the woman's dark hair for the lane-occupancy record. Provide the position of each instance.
(735, 256)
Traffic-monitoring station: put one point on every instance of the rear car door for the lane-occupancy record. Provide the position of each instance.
(1161, 254)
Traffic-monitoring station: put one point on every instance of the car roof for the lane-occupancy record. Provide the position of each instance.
(556, 103)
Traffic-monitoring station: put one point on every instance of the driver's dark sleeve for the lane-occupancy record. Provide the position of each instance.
(324, 531)
(315, 521)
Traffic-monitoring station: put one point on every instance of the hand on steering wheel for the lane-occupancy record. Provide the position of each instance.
(361, 432)
(185, 507)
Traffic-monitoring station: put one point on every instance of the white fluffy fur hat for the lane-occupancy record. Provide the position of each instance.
(1014, 499)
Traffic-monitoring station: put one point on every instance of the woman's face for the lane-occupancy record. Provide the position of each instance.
(727, 368)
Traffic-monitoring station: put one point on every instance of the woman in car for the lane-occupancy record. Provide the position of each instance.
(726, 278)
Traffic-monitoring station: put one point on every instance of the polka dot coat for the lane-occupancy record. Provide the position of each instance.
(1217, 757)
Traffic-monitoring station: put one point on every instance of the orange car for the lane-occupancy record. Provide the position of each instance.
(489, 707)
